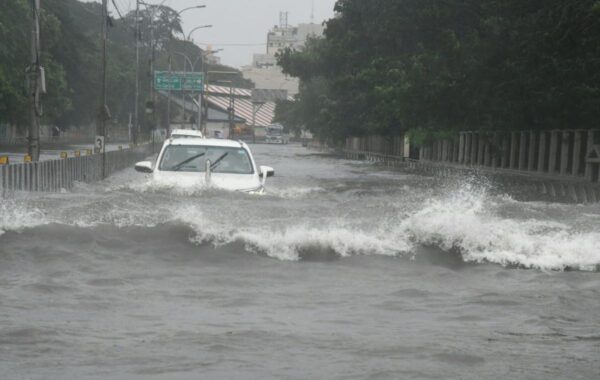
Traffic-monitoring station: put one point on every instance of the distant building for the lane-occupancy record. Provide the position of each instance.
(281, 37)
(264, 71)
(210, 58)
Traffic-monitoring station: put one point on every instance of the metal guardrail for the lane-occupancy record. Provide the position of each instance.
(570, 189)
(56, 175)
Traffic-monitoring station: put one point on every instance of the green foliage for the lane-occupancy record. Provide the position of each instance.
(387, 66)
(71, 56)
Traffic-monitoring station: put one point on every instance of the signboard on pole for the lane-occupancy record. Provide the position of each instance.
(178, 81)
(99, 144)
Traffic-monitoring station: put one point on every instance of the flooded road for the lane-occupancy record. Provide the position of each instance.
(344, 270)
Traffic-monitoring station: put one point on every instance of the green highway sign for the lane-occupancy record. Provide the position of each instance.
(178, 81)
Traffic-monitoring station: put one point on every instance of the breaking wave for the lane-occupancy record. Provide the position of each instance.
(15, 217)
(468, 221)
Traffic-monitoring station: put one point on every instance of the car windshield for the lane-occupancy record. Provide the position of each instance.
(190, 158)
(274, 132)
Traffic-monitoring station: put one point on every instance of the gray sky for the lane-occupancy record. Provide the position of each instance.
(239, 22)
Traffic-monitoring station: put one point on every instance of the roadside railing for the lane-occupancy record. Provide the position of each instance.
(565, 164)
(556, 153)
(56, 175)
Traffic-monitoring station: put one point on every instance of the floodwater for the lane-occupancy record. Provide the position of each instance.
(343, 271)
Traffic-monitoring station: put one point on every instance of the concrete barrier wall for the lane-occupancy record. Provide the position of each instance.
(557, 153)
(55, 175)
(391, 146)
(561, 164)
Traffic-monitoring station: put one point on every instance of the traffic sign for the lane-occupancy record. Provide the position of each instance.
(99, 144)
(178, 81)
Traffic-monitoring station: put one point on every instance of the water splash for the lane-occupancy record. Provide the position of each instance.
(16, 217)
(466, 218)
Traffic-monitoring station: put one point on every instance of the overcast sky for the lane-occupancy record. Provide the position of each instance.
(238, 22)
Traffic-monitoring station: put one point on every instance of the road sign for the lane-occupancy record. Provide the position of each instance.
(178, 81)
(99, 144)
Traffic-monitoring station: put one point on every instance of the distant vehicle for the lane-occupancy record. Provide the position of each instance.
(275, 135)
(225, 164)
(186, 133)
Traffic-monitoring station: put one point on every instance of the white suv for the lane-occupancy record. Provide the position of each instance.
(225, 164)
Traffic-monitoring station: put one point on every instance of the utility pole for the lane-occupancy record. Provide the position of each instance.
(103, 114)
(136, 122)
(183, 83)
(152, 95)
(36, 81)
(201, 94)
(231, 111)
(169, 102)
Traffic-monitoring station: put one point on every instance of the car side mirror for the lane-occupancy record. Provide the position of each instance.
(266, 171)
(144, 167)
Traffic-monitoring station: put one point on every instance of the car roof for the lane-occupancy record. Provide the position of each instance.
(206, 142)
(186, 133)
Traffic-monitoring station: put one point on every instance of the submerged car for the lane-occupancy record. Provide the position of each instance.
(225, 164)
(186, 133)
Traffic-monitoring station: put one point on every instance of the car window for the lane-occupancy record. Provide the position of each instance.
(193, 159)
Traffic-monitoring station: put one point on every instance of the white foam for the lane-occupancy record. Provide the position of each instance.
(289, 243)
(185, 187)
(294, 192)
(16, 217)
(466, 221)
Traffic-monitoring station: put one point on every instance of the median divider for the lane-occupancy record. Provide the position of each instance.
(60, 174)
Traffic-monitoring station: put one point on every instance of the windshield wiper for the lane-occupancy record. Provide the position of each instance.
(179, 165)
(218, 161)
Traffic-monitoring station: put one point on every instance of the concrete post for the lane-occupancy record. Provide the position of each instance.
(553, 156)
(456, 151)
(445, 150)
(523, 151)
(495, 150)
(589, 146)
(564, 152)
(541, 167)
(487, 160)
(577, 161)
(531, 154)
(468, 147)
(512, 163)
(474, 148)
(505, 151)
(480, 148)
(461, 148)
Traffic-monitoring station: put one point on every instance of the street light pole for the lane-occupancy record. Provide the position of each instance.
(136, 128)
(196, 28)
(193, 69)
(185, 62)
(103, 114)
(169, 102)
(36, 84)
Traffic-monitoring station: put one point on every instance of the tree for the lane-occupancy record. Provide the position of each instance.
(390, 66)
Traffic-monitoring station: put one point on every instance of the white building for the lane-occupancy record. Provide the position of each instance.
(264, 71)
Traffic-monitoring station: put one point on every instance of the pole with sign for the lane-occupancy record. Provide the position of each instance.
(99, 145)
(178, 81)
